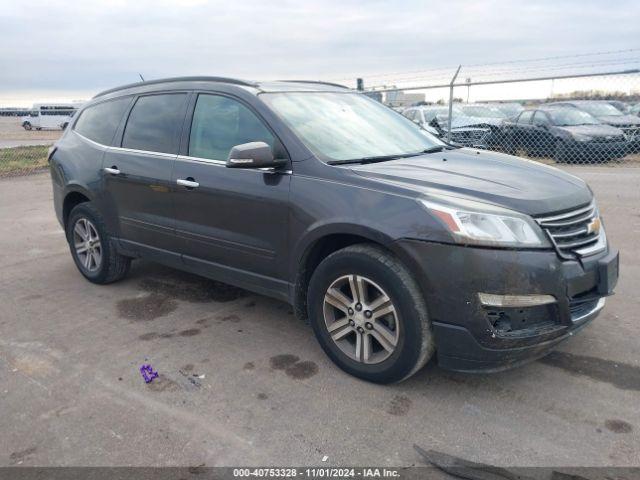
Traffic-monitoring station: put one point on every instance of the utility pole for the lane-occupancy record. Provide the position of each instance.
(453, 80)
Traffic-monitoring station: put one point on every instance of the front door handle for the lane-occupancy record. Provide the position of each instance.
(188, 182)
(112, 170)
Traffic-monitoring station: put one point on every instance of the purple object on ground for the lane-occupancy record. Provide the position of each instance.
(147, 373)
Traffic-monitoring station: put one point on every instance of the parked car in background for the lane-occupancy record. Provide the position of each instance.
(423, 117)
(486, 116)
(623, 107)
(635, 110)
(49, 116)
(480, 110)
(465, 131)
(565, 134)
(610, 115)
(509, 109)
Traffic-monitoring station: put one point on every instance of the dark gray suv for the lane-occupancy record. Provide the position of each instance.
(394, 245)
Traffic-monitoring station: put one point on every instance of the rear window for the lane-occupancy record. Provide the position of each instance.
(99, 122)
(153, 123)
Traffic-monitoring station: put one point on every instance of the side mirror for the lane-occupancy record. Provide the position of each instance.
(253, 155)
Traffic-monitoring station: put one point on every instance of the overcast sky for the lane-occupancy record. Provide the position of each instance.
(71, 49)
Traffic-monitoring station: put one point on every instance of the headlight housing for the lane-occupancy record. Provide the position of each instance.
(483, 224)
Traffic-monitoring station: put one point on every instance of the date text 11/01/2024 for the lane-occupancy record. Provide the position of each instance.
(328, 472)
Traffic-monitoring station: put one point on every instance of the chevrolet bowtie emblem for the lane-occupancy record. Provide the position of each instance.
(594, 226)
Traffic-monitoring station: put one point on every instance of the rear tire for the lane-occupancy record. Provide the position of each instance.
(92, 248)
(370, 344)
(26, 126)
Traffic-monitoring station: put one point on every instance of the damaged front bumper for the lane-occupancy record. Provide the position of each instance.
(493, 309)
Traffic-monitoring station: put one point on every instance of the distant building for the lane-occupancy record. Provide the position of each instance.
(375, 95)
(400, 98)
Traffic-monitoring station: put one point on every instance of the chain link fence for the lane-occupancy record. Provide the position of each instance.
(590, 119)
(23, 151)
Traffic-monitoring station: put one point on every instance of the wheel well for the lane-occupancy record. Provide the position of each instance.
(321, 249)
(70, 201)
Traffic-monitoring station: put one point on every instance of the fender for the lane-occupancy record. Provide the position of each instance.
(75, 186)
(331, 227)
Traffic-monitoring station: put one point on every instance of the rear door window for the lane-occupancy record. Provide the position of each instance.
(525, 117)
(220, 123)
(100, 122)
(154, 123)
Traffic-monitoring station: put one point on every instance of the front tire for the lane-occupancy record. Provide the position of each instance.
(369, 315)
(92, 248)
(26, 126)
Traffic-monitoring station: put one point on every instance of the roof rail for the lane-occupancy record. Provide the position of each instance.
(233, 81)
(316, 81)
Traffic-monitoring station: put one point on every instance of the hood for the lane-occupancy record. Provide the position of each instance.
(593, 130)
(511, 182)
(461, 122)
(620, 120)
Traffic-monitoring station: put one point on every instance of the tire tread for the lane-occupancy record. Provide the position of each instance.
(380, 255)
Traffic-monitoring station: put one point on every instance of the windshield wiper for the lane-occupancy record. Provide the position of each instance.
(436, 149)
(374, 159)
(384, 158)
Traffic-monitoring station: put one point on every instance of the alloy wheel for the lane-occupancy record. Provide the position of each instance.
(361, 319)
(86, 242)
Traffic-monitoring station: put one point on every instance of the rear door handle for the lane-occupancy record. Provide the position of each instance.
(112, 170)
(188, 182)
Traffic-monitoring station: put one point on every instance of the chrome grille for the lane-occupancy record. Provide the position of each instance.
(577, 232)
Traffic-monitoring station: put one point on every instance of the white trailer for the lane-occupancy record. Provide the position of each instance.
(49, 116)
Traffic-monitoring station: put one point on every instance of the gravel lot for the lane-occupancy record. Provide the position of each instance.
(71, 392)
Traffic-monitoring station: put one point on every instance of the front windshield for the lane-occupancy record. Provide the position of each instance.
(482, 111)
(569, 116)
(431, 113)
(348, 126)
(510, 109)
(600, 109)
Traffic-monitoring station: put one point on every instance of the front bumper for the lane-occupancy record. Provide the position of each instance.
(471, 336)
(597, 151)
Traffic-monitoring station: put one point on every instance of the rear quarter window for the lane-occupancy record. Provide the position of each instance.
(100, 122)
(154, 122)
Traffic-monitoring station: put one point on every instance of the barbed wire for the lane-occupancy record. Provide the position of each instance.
(486, 64)
(480, 75)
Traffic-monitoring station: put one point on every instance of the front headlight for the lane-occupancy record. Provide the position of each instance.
(483, 224)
